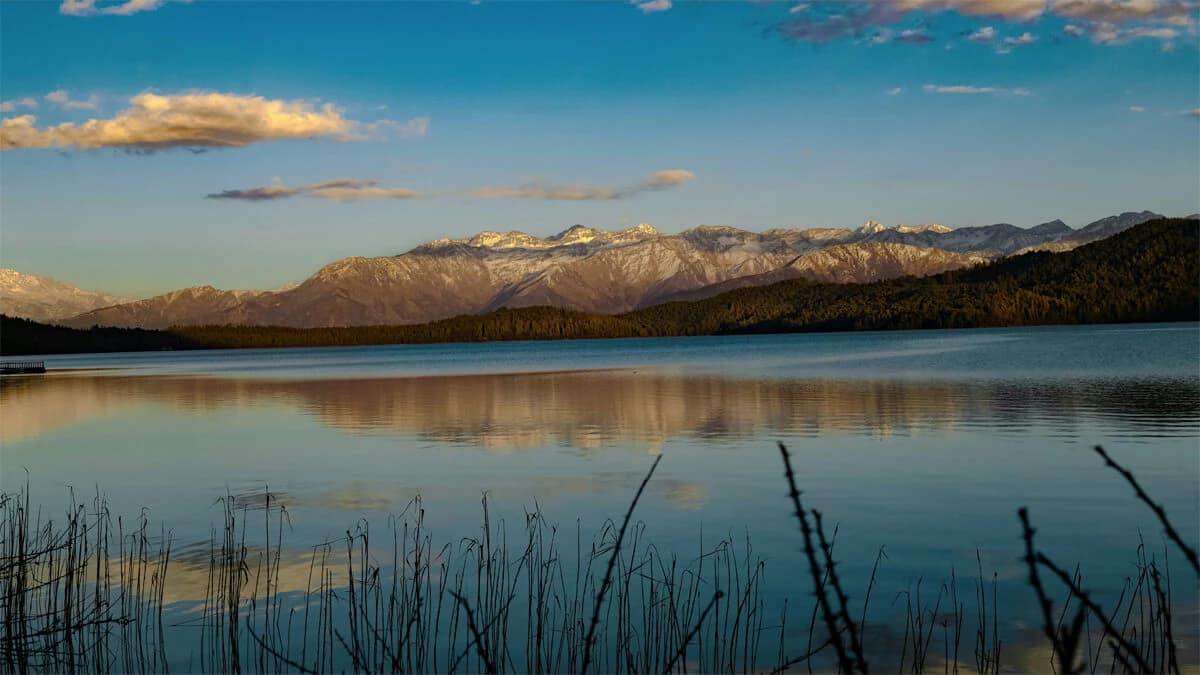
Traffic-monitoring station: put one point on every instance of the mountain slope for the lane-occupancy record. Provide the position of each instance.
(849, 263)
(585, 269)
(1101, 229)
(46, 299)
(1147, 273)
(201, 304)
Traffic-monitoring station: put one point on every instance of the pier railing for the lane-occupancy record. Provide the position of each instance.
(11, 367)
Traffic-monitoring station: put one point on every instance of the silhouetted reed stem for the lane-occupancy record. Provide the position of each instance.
(616, 552)
(827, 613)
(1172, 533)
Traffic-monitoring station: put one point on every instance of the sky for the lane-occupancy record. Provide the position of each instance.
(149, 145)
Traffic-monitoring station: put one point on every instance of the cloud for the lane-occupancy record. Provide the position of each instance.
(62, 101)
(1195, 112)
(840, 19)
(983, 35)
(873, 21)
(659, 180)
(418, 127)
(670, 178)
(1137, 109)
(1020, 40)
(895, 91)
(1011, 43)
(10, 106)
(557, 192)
(1115, 22)
(156, 122)
(342, 190)
(974, 90)
(915, 36)
(652, 6)
(1111, 34)
(1017, 10)
(1124, 11)
(90, 8)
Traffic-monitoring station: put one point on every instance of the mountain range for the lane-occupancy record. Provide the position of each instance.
(581, 268)
(45, 299)
(1146, 273)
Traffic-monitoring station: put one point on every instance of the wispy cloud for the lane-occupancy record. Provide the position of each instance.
(62, 100)
(1123, 11)
(1020, 40)
(984, 35)
(875, 21)
(27, 102)
(197, 120)
(652, 6)
(94, 8)
(831, 20)
(1195, 112)
(1137, 109)
(1116, 22)
(895, 91)
(1110, 34)
(914, 36)
(659, 180)
(341, 190)
(1010, 43)
(417, 127)
(1016, 10)
(974, 90)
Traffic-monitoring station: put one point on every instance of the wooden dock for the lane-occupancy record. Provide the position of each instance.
(22, 367)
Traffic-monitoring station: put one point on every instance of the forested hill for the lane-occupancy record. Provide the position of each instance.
(1148, 273)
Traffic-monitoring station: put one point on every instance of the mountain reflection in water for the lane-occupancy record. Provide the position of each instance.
(594, 409)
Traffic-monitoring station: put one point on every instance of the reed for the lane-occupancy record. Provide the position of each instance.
(86, 591)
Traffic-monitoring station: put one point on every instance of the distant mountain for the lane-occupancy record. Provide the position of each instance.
(1148, 273)
(199, 304)
(590, 270)
(849, 264)
(46, 299)
(1101, 229)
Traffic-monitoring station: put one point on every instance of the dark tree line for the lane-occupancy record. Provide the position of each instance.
(21, 336)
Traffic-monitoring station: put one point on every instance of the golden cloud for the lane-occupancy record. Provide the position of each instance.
(195, 120)
(1007, 9)
(671, 178)
(659, 180)
(342, 190)
(1121, 11)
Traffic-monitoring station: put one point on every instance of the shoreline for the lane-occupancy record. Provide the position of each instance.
(868, 331)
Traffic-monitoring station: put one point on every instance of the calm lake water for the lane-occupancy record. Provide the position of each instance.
(923, 442)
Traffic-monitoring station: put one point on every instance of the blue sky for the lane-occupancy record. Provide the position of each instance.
(444, 119)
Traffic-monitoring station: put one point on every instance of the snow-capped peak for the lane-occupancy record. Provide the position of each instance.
(927, 227)
(872, 227)
(513, 239)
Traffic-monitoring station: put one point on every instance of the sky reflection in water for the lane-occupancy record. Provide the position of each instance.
(924, 442)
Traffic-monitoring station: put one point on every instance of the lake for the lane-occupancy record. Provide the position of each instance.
(925, 443)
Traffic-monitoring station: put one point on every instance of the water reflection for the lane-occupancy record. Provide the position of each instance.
(595, 409)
